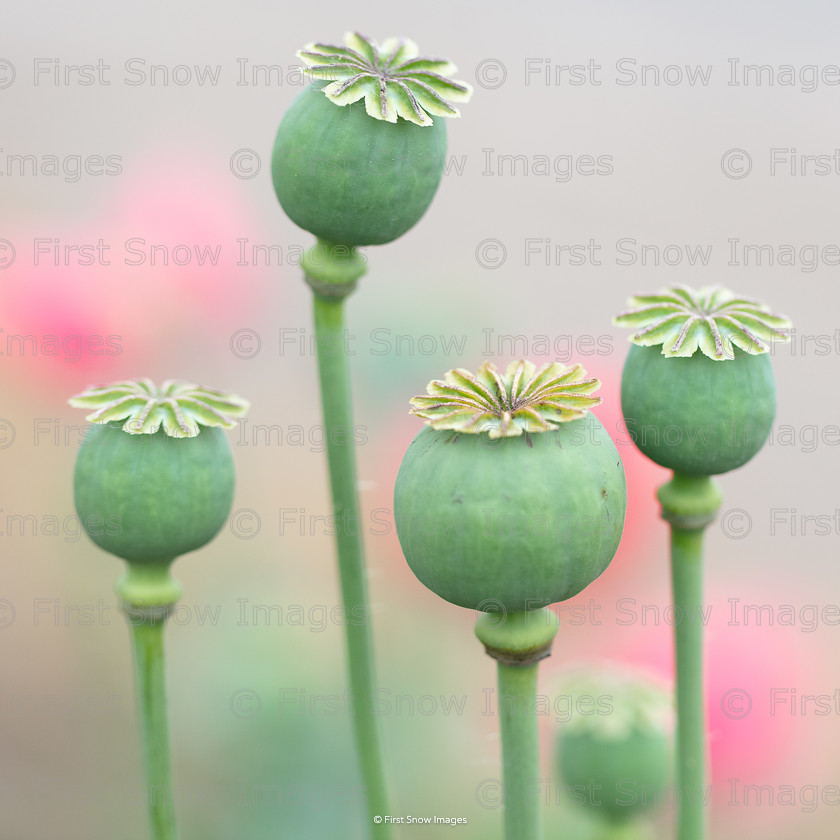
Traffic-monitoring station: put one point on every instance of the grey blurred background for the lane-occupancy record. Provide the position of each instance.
(608, 148)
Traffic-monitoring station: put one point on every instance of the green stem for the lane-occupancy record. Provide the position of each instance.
(333, 371)
(689, 504)
(687, 582)
(147, 631)
(519, 641)
(520, 751)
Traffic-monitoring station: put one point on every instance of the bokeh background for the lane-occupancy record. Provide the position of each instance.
(662, 141)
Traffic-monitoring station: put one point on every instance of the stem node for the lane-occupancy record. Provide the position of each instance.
(518, 638)
(689, 502)
(332, 271)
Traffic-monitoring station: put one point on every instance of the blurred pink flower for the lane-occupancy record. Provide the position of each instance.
(150, 272)
(751, 730)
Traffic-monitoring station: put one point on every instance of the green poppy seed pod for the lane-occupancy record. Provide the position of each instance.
(357, 159)
(616, 743)
(513, 497)
(150, 483)
(160, 496)
(695, 415)
(702, 403)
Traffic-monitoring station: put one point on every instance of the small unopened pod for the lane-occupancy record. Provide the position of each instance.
(154, 476)
(614, 741)
(513, 496)
(697, 391)
(360, 153)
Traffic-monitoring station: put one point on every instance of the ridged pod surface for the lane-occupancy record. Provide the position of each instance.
(350, 179)
(513, 523)
(150, 498)
(696, 415)
(629, 774)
